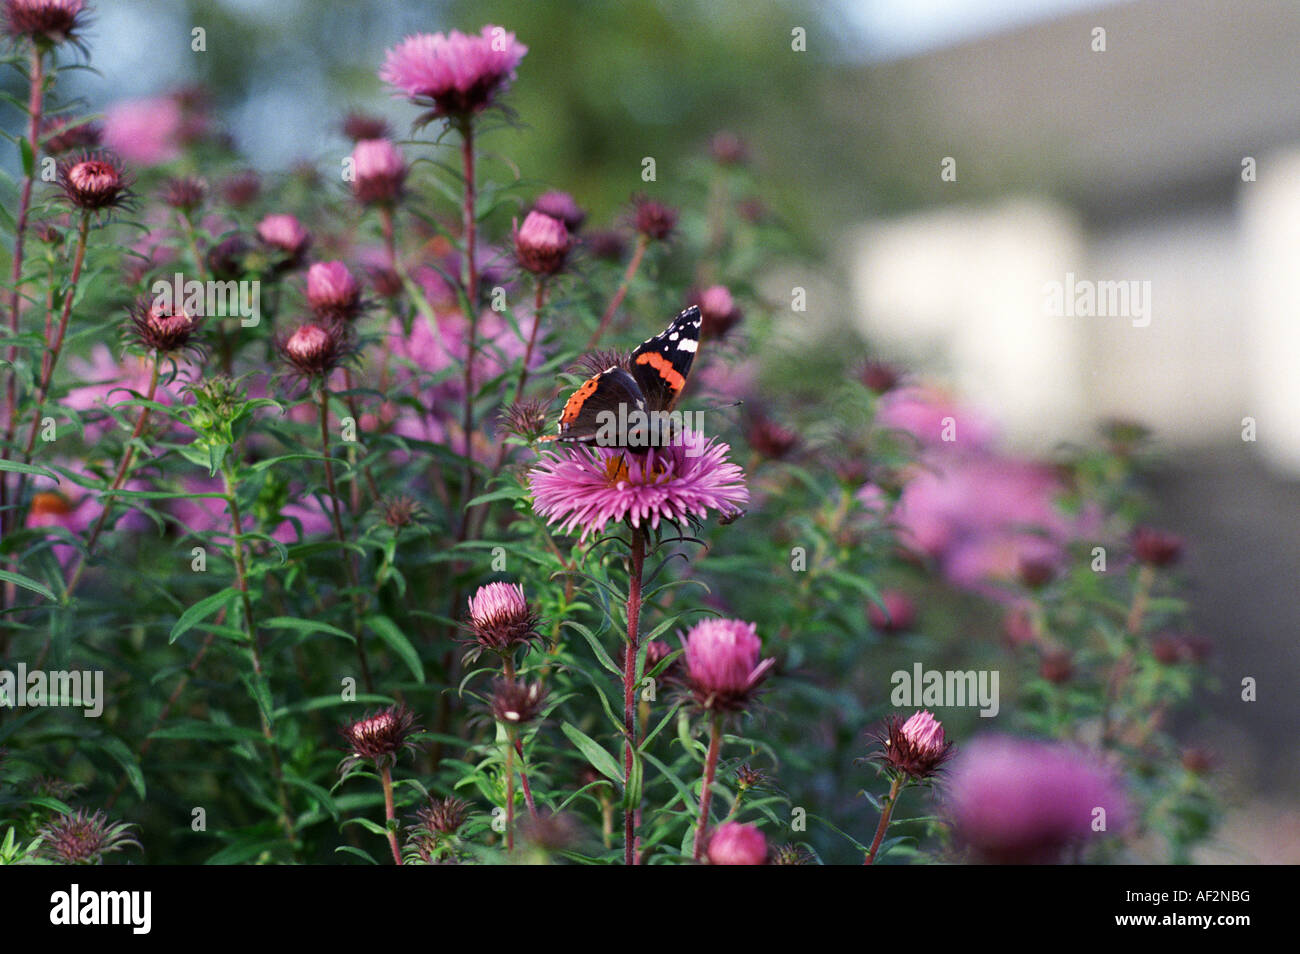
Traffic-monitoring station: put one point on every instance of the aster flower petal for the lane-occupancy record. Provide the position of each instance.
(591, 487)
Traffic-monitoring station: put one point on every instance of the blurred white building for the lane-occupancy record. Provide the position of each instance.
(1170, 159)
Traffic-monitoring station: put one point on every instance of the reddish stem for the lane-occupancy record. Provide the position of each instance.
(35, 103)
(470, 278)
(636, 568)
(706, 790)
(892, 799)
(390, 815)
(128, 454)
(642, 243)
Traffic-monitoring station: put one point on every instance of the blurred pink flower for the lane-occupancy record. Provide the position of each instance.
(332, 291)
(108, 383)
(897, 616)
(979, 516)
(75, 508)
(200, 514)
(718, 310)
(310, 514)
(562, 206)
(284, 232)
(923, 413)
(380, 171)
(1019, 801)
(737, 844)
(728, 381)
(456, 74)
(145, 132)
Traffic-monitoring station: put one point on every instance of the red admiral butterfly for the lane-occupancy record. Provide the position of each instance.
(629, 408)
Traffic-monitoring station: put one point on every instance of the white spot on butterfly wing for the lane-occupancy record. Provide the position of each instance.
(688, 344)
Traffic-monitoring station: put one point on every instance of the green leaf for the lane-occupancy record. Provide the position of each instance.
(305, 626)
(198, 731)
(201, 611)
(124, 757)
(387, 630)
(17, 468)
(26, 583)
(600, 760)
(601, 655)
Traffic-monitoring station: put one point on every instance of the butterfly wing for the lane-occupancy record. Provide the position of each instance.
(585, 412)
(661, 364)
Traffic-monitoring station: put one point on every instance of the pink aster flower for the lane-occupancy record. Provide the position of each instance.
(1018, 801)
(737, 844)
(723, 668)
(46, 21)
(455, 74)
(590, 487)
(144, 132)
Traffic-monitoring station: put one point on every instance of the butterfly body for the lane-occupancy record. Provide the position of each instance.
(632, 407)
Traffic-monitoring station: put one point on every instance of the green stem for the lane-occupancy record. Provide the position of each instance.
(255, 650)
(354, 581)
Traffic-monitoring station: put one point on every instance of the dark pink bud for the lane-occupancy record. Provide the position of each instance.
(542, 244)
(718, 311)
(285, 233)
(314, 349)
(332, 292)
(380, 171)
(94, 181)
(654, 219)
(1156, 547)
(561, 205)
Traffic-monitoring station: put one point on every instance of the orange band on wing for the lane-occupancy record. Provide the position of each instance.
(664, 367)
(574, 404)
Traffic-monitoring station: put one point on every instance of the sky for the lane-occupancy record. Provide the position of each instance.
(897, 28)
